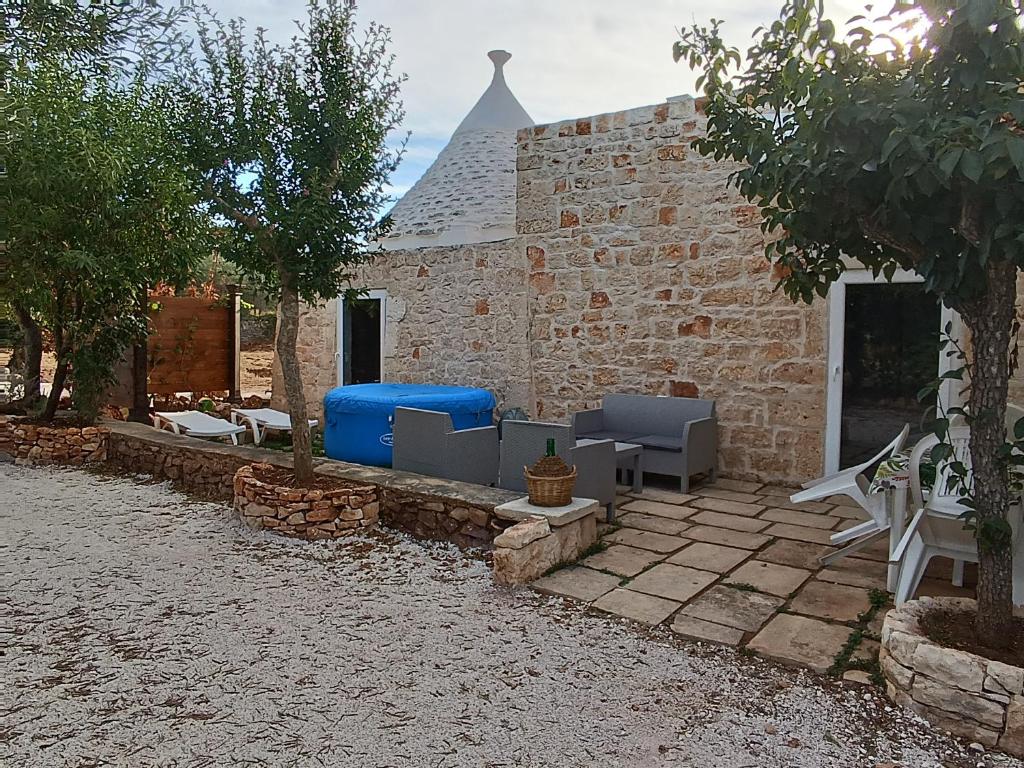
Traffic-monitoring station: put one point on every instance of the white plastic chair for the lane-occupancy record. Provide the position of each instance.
(197, 424)
(937, 528)
(262, 419)
(854, 483)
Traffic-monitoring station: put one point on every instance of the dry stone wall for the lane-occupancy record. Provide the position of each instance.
(39, 444)
(961, 692)
(647, 274)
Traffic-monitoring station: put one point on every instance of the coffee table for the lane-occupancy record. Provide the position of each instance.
(627, 456)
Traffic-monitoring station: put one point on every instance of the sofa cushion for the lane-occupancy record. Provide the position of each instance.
(606, 434)
(660, 442)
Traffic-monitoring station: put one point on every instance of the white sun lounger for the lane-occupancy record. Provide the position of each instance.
(262, 419)
(197, 424)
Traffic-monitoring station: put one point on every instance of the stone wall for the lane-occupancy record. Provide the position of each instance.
(968, 695)
(38, 444)
(539, 542)
(424, 507)
(453, 315)
(304, 513)
(647, 274)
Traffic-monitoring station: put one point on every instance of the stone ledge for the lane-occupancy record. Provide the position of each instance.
(961, 692)
(522, 509)
(28, 443)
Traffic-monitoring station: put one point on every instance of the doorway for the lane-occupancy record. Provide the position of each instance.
(360, 355)
(883, 349)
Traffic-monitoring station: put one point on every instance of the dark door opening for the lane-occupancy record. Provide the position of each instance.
(362, 322)
(890, 352)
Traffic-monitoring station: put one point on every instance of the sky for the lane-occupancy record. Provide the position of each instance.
(570, 58)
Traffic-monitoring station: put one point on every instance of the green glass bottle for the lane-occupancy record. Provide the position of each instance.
(551, 447)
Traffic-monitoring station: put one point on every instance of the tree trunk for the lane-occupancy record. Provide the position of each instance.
(31, 374)
(60, 377)
(287, 336)
(990, 319)
(140, 370)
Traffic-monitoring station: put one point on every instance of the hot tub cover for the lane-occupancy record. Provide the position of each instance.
(371, 398)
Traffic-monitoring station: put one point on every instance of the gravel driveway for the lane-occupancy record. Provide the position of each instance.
(140, 628)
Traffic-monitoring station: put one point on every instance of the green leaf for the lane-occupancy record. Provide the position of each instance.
(972, 165)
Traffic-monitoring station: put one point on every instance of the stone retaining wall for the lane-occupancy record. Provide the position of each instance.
(961, 692)
(424, 507)
(304, 514)
(37, 444)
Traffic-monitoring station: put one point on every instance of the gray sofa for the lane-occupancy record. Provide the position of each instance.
(679, 435)
(523, 442)
(426, 443)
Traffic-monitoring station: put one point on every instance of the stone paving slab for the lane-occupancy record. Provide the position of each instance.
(772, 578)
(814, 507)
(709, 557)
(722, 493)
(669, 497)
(623, 560)
(653, 523)
(801, 641)
(856, 573)
(797, 554)
(799, 533)
(673, 582)
(656, 542)
(579, 583)
(808, 519)
(698, 629)
(727, 538)
(831, 601)
(647, 609)
(732, 522)
(743, 486)
(735, 608)
(728, 507)
(659, 508)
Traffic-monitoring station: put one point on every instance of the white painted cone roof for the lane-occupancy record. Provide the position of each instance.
(468, 195)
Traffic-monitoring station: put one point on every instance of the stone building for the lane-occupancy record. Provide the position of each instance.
(554, 263)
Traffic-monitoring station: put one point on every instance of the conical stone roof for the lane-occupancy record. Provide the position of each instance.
(468, 195)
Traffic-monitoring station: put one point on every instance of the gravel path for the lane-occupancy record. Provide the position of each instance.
(140, 628)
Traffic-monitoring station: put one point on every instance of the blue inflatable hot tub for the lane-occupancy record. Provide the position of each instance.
(358, 417)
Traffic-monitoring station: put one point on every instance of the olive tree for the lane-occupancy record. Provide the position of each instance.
(866, 147)
(292, 143)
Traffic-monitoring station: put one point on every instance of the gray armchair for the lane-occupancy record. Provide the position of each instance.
(426, 443)
(523, 442)
(679, 434)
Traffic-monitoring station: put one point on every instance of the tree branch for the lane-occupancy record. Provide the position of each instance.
(875, 232)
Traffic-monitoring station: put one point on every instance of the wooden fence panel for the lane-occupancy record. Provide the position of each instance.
(191, 346)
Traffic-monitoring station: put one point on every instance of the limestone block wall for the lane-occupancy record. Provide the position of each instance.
(458, 316)
(454, 315)
(646, 274)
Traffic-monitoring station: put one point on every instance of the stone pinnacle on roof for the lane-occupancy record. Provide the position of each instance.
(468, 195)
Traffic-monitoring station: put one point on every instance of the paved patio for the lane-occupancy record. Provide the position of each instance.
(737, 563)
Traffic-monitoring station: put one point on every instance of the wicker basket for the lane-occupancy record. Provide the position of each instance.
(550, 491)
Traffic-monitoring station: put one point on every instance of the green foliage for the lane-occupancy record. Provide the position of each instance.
(96, 198)
(896, 156)
(291, 142)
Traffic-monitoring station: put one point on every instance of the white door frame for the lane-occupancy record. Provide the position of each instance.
(339, 341)
(836, 350)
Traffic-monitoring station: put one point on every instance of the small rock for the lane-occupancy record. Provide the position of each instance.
(976, 747)
(771, 729)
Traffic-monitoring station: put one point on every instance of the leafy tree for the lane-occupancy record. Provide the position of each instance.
(860, 148)
(59, 61)
(98, 205)
(292, 143)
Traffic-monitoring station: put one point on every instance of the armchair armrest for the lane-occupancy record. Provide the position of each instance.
(584, 422)
(595, 471)
(700, 441)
